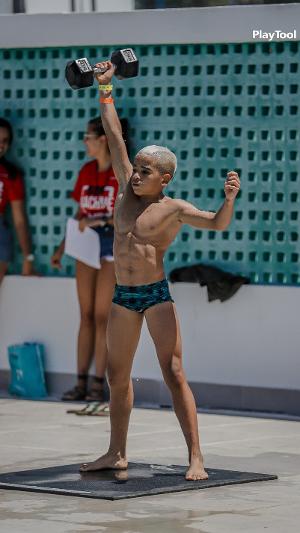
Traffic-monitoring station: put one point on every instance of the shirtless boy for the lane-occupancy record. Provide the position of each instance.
(146, 223)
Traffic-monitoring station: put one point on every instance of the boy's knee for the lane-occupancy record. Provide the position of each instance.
(174, 375)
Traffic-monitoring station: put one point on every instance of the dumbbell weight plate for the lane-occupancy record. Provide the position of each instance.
(126, 62)
(79, 73)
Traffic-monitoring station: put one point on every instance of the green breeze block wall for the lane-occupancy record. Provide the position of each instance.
(218, 107)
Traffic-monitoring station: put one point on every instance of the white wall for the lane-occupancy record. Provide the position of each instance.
(114, 5)
(47, 6)
(5, 6)
(81, 6)
(252, 339)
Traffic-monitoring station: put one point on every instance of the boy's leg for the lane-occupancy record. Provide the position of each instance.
(162, 318)
(123, 333)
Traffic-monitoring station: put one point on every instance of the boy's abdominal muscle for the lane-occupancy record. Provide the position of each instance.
(137, 263)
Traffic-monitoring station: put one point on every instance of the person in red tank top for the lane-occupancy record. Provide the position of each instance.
(12, 192)
(95, 192)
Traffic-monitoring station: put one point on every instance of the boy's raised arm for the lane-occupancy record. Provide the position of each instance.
(189, 214)
(112, 127)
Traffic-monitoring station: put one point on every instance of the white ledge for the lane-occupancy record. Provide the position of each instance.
(195, 25)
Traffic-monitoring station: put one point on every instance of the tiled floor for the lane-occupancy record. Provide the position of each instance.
(40, 434)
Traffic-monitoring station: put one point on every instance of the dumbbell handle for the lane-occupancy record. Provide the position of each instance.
(99, 70)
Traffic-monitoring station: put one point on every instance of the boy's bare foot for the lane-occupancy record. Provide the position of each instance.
(196, 470)
(107, 461)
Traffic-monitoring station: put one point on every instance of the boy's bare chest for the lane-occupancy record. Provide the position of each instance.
(147, 223)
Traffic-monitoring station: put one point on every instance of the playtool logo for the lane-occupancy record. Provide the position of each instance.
(277, 34)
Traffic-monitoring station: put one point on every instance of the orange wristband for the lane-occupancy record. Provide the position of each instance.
(106, 100)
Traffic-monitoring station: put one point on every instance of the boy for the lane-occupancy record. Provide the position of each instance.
(146, 222)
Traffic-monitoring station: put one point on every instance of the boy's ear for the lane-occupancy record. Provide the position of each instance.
(166, 178)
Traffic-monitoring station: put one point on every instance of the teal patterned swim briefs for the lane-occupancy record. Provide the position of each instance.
(141, 297)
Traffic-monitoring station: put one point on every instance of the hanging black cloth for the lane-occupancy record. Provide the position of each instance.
(220, 285)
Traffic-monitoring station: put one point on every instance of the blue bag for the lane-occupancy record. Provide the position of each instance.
(27, 370)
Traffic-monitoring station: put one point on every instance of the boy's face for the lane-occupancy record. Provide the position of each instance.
(146, 179)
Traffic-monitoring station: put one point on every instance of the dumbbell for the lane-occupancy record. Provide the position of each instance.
(80, 73)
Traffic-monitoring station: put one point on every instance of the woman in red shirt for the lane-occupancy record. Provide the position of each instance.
(12, 191)
(95, 191)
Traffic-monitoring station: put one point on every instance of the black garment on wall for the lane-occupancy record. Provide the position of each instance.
(220, 285)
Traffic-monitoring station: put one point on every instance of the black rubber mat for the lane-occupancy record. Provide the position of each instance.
(139, 480)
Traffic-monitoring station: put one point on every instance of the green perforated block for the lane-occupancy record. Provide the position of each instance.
(218, 107)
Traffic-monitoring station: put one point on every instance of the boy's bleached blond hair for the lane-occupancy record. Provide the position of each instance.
(164, 160)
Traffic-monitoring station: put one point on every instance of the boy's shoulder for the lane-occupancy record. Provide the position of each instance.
(173, 206)
(176, 203)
